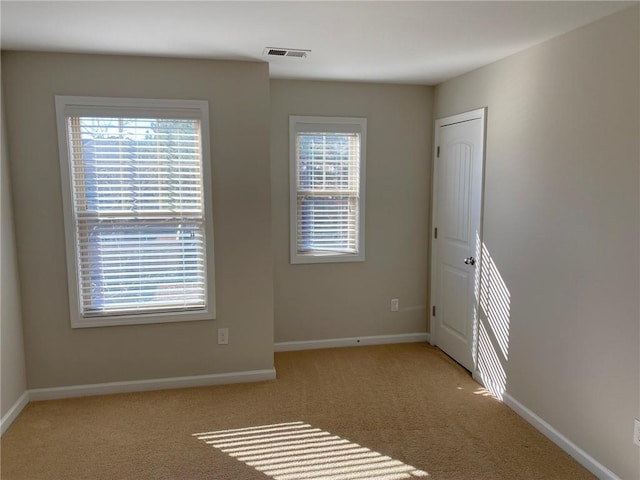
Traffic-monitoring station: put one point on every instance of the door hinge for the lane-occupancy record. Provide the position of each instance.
(435, 232)
(433, 311)
(438, 152)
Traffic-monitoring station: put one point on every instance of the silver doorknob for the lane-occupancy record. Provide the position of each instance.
(470, 261)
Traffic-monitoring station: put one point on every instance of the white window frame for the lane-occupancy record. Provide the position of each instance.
(67, 106)
(301, 124)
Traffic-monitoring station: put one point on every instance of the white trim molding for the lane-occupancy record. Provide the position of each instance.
(132, 386)
(79, 215)
(582, 457)
(351, 342)
(305, 126)
(13, 412)
(152, 384)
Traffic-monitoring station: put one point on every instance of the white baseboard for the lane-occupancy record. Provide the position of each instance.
(13, 412)
(582, 457)
(351, 342)
(153, 384)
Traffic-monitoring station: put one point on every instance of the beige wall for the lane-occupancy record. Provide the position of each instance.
(13, 379)
(337, 300)
(238, 95)
(561, 223)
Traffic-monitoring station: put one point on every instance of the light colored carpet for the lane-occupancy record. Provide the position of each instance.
(408, 403)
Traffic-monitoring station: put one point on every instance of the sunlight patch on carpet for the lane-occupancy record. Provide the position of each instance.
(298, 451)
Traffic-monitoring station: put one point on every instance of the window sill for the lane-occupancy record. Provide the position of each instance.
(141, 319)
(306, 258)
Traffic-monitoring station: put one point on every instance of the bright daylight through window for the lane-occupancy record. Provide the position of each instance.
(137, 199)
(327, 156)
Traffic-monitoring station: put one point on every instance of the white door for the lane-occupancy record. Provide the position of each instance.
(456, 236)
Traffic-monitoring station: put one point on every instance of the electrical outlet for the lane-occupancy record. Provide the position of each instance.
(395, 304)
(636, 432)
(223, 336)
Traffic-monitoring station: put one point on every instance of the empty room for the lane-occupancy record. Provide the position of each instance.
(320, 240)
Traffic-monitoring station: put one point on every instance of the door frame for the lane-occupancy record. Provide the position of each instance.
(480, 113)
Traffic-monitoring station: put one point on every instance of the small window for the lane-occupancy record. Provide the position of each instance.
(137, 204)
(327, 163)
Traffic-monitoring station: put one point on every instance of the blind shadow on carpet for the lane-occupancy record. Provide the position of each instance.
(298, 451)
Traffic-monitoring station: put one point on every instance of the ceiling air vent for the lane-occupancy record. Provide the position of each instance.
(286, 52)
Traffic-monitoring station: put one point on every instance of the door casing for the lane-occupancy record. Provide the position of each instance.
(480, 113)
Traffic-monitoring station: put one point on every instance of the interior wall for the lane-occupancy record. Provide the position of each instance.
(13, 379)
(238, 95)
(339, 300)
(561, 223)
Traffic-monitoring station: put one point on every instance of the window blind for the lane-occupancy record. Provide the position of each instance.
(327, 192)
(137, 192)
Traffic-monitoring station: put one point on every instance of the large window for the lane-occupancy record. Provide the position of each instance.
(327, 156)
(137, 200)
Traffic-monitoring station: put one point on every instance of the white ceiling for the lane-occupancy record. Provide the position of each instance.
(419, 42)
